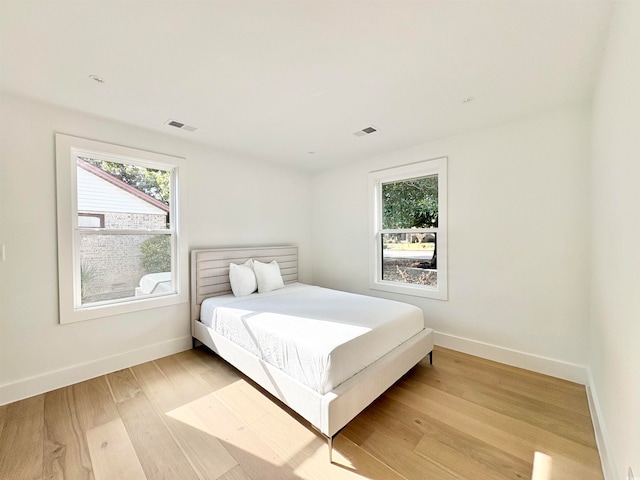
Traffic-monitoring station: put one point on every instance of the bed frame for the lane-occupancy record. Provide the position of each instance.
(328, 413)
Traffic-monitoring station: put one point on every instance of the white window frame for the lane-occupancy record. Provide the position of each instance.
(68, 148)
(437, 166)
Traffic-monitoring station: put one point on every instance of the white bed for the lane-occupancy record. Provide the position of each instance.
(327, 380)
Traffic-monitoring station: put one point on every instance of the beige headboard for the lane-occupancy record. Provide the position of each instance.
(210, 269)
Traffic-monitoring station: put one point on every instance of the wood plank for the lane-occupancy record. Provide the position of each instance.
(168, 385)
(465, 455)
(168, 391)
(112, 454)
(512, 435)
(236, 473)
(257, 460)
(359, 461)
(220, 374)
(159, 455)
(243, 400)
(94, 403)
(384, 417)
(3, 415)
(544, 384)
(306, 452)
(451, 449)
(189, 383)
(197, 361)
(405, 462)
(206, 454)
(66, 455)
(192, 415)
(558, 419)
(566, 397)
(22, 440)
(358, 430)
(515, 426)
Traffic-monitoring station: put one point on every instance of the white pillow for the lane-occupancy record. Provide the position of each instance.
(243, 280)
(268, 276)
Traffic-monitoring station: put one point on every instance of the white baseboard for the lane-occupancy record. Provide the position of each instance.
(606, 459)
(36, 385)
(547, 366)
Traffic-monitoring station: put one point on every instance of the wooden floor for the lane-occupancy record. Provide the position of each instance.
(191, 416)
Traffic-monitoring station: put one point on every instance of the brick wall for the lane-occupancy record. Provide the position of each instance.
(112, 264)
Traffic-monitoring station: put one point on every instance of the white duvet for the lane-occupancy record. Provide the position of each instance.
(318, 336)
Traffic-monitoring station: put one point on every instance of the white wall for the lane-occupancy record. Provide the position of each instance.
(615, 293)
(523, 206)
(518, 238)
(231, 202)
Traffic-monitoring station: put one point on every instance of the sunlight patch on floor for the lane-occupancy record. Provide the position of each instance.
(210, 415)
(317, 466)
(541, 466)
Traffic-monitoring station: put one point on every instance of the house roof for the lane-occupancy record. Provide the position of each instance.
(98, 172)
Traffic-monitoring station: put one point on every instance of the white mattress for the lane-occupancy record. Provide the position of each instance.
(318, 336)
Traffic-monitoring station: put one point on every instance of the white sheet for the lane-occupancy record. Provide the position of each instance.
(318, 336)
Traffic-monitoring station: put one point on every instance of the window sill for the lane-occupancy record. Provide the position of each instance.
(407, 289)
(72, 315)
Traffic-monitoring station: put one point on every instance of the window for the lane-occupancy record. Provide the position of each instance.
(91, 220)
(121, 242)
(408, 247)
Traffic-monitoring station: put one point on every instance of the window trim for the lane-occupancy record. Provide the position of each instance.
(67, 148)
(436, 166)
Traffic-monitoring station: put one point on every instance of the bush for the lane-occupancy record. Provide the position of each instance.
(88, 276)
(156, 254)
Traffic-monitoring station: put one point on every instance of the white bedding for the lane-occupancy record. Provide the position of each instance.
(318, 336)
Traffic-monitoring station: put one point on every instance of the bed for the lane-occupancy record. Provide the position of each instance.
(327, 380)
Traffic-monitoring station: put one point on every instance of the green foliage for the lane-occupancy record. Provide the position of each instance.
(154, 183)
(88, 276)
(410, 203)
(156, 254)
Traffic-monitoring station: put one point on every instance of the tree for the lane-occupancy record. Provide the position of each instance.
(153, 182)
(156, 254)
(410, 203)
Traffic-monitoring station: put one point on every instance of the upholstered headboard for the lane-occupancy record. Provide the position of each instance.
(210, 269)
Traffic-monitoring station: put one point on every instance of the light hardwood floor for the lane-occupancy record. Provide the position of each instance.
(191, 416)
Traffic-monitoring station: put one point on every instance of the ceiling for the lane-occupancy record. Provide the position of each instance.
(278, 80)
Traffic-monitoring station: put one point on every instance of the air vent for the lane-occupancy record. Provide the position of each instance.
(365, 131)
(180, 125)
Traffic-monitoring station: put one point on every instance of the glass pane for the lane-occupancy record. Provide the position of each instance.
(410, 203)
(91, 220)
(124, 266)
(126, 196)
(410, 258)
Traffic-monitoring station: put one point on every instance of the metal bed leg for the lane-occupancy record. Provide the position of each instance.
(330, 445)
(431, 357)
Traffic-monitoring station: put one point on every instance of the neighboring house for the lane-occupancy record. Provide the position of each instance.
(112, 264)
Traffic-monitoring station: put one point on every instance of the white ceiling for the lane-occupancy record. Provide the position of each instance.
(275, 80)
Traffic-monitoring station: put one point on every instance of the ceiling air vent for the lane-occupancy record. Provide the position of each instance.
(180, 125)
(365, 131)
